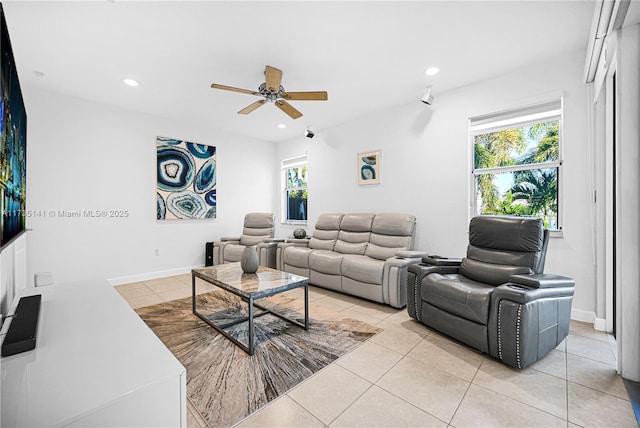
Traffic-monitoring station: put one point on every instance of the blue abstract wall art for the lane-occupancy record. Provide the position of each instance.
(186, 180)
(369, 167)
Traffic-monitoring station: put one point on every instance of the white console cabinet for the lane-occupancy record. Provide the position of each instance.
(96, 364)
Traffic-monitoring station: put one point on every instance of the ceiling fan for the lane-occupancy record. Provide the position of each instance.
(273, 92)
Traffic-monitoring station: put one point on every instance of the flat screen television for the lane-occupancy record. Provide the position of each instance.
(13, 144)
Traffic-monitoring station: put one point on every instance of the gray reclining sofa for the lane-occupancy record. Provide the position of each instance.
(365, 255)
(497, 299)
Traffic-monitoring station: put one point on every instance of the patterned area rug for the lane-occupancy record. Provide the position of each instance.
(223, 382)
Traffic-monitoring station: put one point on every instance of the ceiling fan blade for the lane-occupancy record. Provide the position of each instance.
(251, 107)
(273, 77)
(288, 109)
(231, 88)
(306, 96)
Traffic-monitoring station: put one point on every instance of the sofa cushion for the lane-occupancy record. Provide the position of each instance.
(357, 222)
(381, 253)
(350, 247)
(297, 256)
(322, 244)
(391, 241)
(394, 224)
(249, 240)
(524, 234)
(514, 258)
(362, 268)
(328, 221)
(233, 252)
(257, 228)
(325, 261)
(258, 221)
(458, 295)
(326, 232)
(490, 273)
(352, 242)
(390, 233)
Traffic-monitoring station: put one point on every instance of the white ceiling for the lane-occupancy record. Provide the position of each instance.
(368, 55)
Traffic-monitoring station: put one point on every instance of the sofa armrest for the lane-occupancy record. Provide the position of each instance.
(267, 252)
(234, 240)
(411, 254)
(542, 280)
(522, 293)
(423, 269)
(528, 321)
(219, 249)
(280, 248)
(415, 275)
(435, 260)
(270, 243)
(394, 280)
(401, 262)
(299, 242)
(276, 240)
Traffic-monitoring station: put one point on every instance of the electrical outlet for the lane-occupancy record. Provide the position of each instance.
(156, 252)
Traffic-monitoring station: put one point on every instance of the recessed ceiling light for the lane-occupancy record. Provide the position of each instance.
(131, 82)
(432, 71)
(282, 125)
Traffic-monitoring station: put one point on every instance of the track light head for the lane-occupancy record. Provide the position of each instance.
(309, 133)
(427, 98)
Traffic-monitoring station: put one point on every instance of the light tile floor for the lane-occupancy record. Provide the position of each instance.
(412, 376)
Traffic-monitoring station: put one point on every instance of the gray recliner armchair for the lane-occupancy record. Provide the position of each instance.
(497, 299)
(257, 232)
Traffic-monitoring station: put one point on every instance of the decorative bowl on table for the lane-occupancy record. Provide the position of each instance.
(299, 233)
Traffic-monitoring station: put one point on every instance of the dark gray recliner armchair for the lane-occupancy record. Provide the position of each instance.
(497, 299)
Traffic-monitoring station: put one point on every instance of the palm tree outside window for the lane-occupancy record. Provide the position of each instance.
(295, 195)
(517, 164)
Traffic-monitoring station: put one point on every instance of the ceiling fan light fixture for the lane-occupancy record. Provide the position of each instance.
(272, 91)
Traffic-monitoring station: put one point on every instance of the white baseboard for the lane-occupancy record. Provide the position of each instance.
(151, 275)
(583, 316)
(600, 324)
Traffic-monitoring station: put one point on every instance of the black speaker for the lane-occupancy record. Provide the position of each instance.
(23, 329)
(208, 259)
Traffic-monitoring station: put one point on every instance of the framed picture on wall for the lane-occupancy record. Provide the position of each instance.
(186, 180)
(369, 168)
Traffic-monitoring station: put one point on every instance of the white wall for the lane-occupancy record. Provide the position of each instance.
(628, 251)
(426, 165)
(87, 156)
(13, 261)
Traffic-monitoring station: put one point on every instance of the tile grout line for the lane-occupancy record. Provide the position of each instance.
(294, 400)
(400, 398)
(521, 402)
(453, 415)
(382, 388)
(354, 401)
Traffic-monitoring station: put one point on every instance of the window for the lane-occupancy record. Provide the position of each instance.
(517, 164)
(295, 195)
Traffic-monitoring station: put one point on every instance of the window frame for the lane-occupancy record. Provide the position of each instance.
(540, 111)
(285, 165)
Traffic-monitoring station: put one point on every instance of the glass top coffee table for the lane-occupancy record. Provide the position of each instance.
(249, 287)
